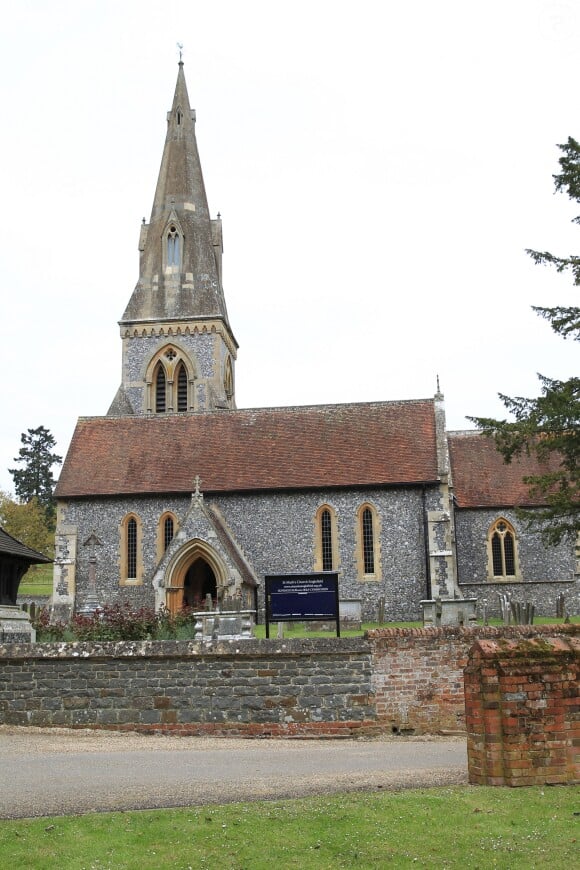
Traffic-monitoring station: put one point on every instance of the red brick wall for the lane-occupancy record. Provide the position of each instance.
(522, 712)
(417, 673)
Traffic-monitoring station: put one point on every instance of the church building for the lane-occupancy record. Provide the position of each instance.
(176, 494)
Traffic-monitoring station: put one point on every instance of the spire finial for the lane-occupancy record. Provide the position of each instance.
(180, 47)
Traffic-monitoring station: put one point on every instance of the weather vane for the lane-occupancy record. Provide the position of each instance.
(180, 47)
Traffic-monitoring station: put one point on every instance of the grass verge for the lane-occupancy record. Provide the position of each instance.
(37, 581)
(459, 827)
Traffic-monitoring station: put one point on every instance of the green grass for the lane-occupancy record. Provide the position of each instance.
(299, 629)
(462, 827)
(37, 581)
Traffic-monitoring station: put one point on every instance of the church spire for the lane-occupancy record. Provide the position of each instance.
(178, 348)
(180, 262)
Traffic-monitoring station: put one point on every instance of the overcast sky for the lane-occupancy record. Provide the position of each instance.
(380, 168)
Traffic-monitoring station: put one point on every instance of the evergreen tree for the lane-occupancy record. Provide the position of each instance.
(35, 479)
(548, 427)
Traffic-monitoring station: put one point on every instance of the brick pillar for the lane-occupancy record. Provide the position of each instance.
(522, 711)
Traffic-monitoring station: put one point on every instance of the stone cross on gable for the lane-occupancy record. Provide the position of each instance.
(197, 494)
(92, 541)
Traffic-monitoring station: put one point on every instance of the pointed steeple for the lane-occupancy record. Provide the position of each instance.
(179, 351)
(180, 262)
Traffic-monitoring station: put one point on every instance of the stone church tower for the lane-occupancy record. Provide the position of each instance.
(178, 347)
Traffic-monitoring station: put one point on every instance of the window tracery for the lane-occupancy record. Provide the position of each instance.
(502, 550)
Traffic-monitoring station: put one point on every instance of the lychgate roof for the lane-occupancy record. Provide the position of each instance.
(382, 443)
(481, 478)
(10, 546)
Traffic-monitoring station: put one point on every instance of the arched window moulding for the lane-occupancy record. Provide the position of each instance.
(502, 551)
(167, 529)
(368, 549)
(131, 551)
(326, 550)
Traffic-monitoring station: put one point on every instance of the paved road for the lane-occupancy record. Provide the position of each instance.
(57, 772)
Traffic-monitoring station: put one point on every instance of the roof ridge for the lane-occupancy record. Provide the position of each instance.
(379, 403)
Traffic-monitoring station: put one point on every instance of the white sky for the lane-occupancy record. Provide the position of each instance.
(380, 168)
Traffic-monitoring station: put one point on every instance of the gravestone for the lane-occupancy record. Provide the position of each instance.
(15, 625)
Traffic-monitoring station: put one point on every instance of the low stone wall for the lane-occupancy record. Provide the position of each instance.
(523, 715)
(393, 680)
(253, 688)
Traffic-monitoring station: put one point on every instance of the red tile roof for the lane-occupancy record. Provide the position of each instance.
(261, 449)
(481, 478)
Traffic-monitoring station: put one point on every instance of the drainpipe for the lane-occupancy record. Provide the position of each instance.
(426, 545)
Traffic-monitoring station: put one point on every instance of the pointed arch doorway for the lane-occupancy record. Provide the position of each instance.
(199, 581)
(195, 573)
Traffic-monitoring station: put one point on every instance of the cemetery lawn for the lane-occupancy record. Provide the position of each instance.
(458, 827)
(37, 581)
(301, 629)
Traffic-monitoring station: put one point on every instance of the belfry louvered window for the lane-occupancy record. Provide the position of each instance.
(368, 541)
(503, 549)
(181, 388)
(160, 390)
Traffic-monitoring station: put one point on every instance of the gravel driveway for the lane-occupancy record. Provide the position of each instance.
(46, 772)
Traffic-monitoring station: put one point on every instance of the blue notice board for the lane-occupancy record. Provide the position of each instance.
(302, 598)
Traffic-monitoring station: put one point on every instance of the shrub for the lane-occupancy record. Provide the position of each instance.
(47, 631)
(115, 622)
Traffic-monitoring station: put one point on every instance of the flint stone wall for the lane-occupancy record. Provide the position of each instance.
(276, 532)
(391, 680)
(235, 688)
(537, 562)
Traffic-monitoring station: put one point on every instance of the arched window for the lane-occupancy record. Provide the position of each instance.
(368, 543)
(160, 390)
(502, 550)
(131, 556)
(181, 388)
(132, 549)
(173, 247)
(166, 531)
(168, 527)
(169, 379)
(325, 539)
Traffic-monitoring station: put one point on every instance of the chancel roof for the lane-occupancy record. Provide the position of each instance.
(481, 478)
(383, 443)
